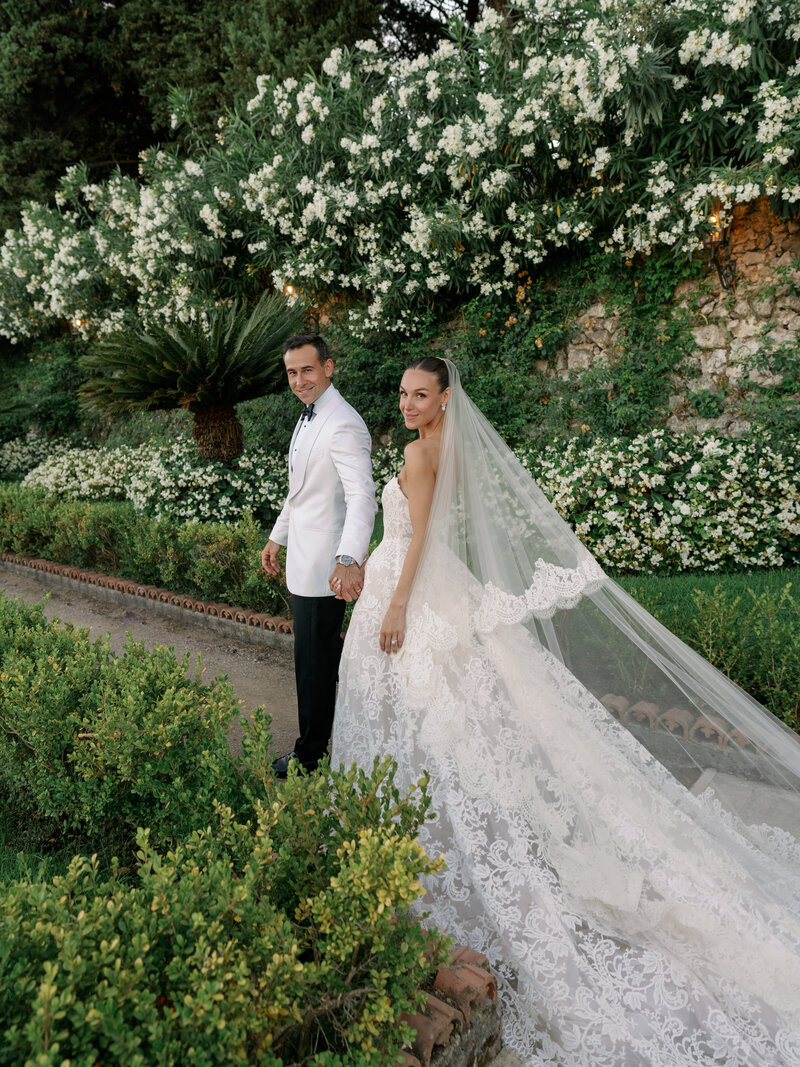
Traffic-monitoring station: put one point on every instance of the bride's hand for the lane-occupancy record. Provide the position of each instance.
(393, 630)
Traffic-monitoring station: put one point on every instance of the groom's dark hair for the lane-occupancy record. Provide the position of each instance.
(301, 339)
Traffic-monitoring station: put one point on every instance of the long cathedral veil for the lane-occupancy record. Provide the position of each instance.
(619, 821)
(534, 571)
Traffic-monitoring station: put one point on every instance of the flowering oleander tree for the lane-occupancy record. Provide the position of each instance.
(396, 188)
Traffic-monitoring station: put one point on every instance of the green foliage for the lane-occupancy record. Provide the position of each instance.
(772, 400)
(707, 404)
(38, 387)
(231, 354)
(193, 961)
(368, 373)
(64, 97)
(97, 745)
(139, 427)
(509, 351)
(627, 394)
(212, 561)
(276, 928)
(269, 421)
(748, 626)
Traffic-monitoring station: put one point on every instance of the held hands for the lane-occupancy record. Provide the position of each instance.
(269, 559)
(347, 582)
(393, 629)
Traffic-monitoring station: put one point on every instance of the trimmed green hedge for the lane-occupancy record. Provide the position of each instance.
(747, 625)
(210, 561)
(251, 922)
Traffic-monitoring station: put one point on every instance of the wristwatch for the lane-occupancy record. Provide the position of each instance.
(347, 561)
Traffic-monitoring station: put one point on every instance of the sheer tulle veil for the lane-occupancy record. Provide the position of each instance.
(534, 571)
(619, 821)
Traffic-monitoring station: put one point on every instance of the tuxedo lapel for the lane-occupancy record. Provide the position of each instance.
(310, 436)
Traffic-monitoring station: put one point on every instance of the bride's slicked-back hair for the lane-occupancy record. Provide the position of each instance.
(435, 366)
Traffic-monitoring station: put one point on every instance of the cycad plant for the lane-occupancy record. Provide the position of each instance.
(230, 354)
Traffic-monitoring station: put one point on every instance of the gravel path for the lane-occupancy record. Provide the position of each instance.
(260, 675)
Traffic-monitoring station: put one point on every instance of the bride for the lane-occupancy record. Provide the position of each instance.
(609, 805)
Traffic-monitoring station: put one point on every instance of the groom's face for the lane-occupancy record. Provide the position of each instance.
(308, 378)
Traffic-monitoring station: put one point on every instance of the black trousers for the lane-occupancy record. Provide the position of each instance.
(317, 650)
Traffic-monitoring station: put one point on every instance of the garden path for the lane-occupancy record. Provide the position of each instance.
(260, 675)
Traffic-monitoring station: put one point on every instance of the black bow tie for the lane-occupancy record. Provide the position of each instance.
(307, 412)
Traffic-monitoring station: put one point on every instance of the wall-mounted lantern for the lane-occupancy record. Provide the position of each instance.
(716, 241)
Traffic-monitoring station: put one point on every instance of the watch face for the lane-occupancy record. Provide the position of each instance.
(346, 560)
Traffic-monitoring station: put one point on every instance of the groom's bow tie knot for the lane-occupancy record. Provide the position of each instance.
(307, 412)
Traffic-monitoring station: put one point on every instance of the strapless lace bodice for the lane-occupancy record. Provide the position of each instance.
(396, 519)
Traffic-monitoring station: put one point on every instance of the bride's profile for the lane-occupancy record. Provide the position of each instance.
(612, 810)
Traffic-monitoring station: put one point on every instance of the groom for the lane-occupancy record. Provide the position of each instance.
(325, 524)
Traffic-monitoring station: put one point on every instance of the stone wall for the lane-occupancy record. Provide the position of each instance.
(762, 308)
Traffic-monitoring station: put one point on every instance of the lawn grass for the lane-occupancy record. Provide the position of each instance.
(671, 597)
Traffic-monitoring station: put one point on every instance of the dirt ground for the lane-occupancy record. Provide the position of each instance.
(260, 675)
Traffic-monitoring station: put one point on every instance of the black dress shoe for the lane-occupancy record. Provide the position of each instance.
(281, 765)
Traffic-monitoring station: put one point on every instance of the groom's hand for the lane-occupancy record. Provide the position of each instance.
(269, 559)
(347, 582)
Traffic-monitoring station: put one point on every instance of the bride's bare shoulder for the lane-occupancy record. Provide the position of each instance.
(422, 454)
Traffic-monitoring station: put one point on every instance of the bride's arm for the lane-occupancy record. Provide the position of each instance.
(418, 483)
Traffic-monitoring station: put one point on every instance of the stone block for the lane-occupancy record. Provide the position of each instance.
(709, 336)
(714, 362)
(764, 305)
(596, 311)
(578, 358)
(787, 302)
(781, 336)
(741, 349)
(746, 328)
(750, 259)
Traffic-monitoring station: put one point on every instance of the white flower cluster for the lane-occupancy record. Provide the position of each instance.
(389, 183)
(660, 502)
(22, 454)
(167, 481)
(654, 503)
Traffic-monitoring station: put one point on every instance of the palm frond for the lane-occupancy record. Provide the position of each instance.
(232, 354)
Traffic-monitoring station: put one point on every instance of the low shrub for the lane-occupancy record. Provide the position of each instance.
(254, 923)
(747, 628)
(93, 745)
(212, 561)
(660, 502)
(195, 961)
(21, 455)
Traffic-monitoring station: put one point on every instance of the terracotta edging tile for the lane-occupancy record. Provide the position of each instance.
(244, 617)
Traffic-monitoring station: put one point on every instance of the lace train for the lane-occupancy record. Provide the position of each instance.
(616, 908)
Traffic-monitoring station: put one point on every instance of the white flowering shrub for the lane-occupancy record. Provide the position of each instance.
(171, 482)
(559, 123)
(658, 502)
(654, 502)
(21, 454)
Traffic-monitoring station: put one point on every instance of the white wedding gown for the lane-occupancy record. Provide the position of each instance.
(615, 907)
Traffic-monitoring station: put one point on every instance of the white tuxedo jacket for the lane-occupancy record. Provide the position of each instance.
(330, 509)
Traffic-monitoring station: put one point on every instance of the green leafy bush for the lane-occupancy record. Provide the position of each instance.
(39, 387)
(96, 745)
(286, 938)
(749, 630)
(213, 561)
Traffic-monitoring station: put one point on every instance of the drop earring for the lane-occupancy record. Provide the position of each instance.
(444, 407)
